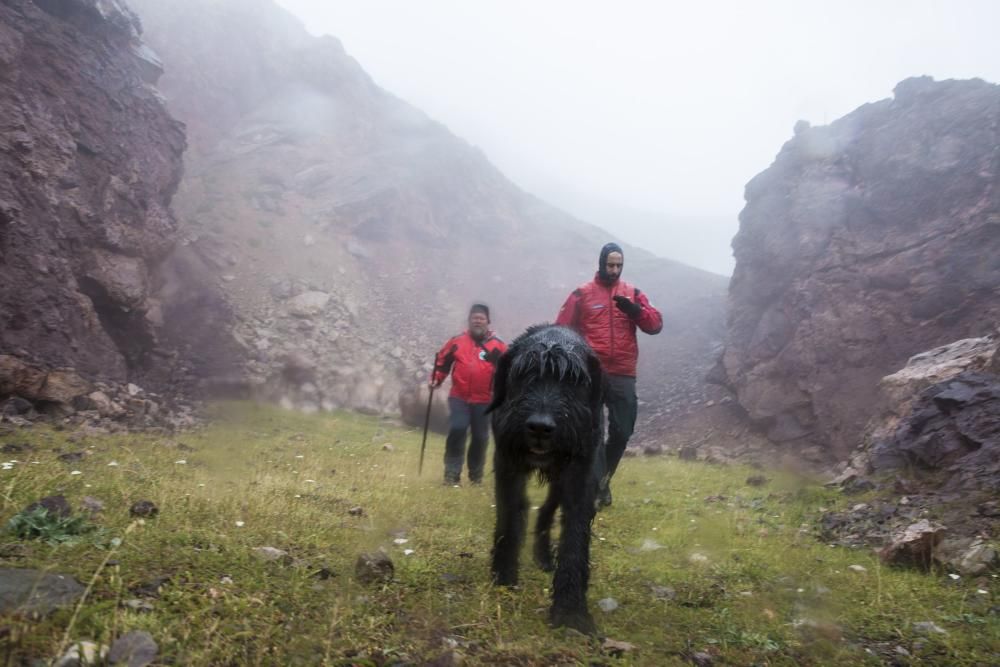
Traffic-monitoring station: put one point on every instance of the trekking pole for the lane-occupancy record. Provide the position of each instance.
(427, 422)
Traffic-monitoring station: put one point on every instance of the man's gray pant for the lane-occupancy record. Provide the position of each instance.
(463, 416)
(623, 407)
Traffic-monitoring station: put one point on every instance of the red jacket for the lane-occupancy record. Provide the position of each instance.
(592, 311)
(471, 365)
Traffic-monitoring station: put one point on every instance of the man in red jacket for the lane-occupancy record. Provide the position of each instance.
(471, 358)
(606, 312)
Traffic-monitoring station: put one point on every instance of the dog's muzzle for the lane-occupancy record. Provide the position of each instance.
(539, 430)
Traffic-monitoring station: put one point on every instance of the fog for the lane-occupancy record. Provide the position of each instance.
(646, 117)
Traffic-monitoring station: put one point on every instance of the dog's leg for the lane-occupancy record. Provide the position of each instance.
(569, 589)
(543, 528)
(512, 509)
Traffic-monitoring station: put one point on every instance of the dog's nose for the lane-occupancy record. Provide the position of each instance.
(541, 426)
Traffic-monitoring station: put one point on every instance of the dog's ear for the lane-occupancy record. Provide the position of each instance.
(500, 382)
(596, 382)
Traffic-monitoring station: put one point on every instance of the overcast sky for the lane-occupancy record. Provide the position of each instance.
(649, 117)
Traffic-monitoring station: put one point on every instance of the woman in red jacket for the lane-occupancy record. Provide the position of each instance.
(606, 312)
(471, 358)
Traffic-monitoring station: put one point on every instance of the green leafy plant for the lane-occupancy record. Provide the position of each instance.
(40, 524)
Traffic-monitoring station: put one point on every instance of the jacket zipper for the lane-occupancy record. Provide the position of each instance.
(611, 320)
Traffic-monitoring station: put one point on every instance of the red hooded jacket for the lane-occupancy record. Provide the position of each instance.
(591, 311)
(471, 365)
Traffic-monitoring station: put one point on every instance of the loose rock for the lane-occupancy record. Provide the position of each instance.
(608, 605)
(615, 647)
(270, 553)
(702, 659)
(914, 546)
(36, 593)
(138, 606)
(83, 654)
(144, 508)
(91, 504)
(688, 453)
(134, 649)
(662, 592)
(929, 627)
(54, 505)
(374, 568)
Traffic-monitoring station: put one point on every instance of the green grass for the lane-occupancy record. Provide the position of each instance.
(751, 583)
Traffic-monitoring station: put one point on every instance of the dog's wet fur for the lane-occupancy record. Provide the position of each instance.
(546, 420)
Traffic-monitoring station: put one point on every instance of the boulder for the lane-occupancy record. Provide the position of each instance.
(968, 556)
(19, 377)
(939, 364)
(123, 279)
(942, 414)
(914, 546)
(62, 386)
(413, 407)
(308, 304)
(36, 593)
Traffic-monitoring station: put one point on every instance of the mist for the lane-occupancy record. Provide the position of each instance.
(649, 118)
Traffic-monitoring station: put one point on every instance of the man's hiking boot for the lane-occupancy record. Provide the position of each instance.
(451, 479)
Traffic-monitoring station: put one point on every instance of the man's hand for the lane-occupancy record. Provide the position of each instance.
(628, 307)
(433, 385)
(493, 356)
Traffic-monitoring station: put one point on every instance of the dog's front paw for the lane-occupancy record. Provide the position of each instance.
(543, 557)
(508, 579)
(577, 619)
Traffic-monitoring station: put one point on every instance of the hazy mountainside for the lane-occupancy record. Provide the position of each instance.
(867, 241)
(89, 160)
(351, 232)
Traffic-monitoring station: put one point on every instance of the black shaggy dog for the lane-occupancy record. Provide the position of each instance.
(546, 419)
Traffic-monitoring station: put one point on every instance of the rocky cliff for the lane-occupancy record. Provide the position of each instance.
(351, 232)
(89, 160)
(867, 241)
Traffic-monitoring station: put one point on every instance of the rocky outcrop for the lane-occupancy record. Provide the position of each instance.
(867, 241)
(89, 159)
(934, 450)
(351, 232)
(940, 421)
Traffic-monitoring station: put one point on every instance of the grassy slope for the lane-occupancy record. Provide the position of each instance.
(291, 479)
